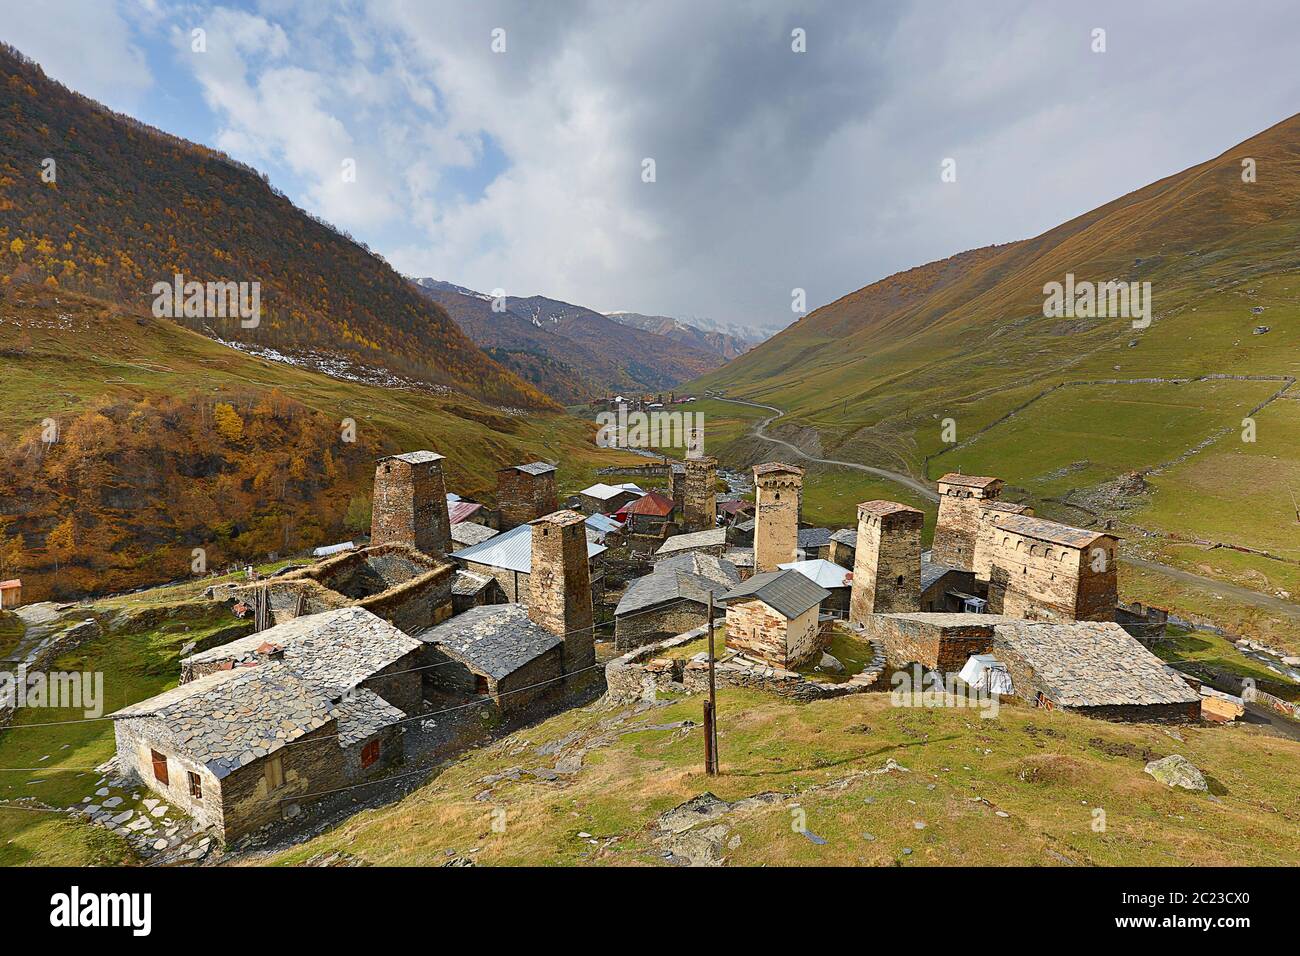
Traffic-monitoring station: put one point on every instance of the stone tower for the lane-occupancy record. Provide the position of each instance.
(961, 500)
(887, 566)
(525, 493)
(559, 586)
(699, 502)
(410, 503)
(778, 490)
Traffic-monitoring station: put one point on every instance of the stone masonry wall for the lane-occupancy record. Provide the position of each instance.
(410, 506)
(651, 626)
(957, 527)
(757, 630)
(937, 646)
(523, 497)
(776, 520)
(699, 503)
(1040, 581)
(560, 586)
(887, 567)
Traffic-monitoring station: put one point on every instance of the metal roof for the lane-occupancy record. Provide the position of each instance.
(787, 592)
(822, 573)
(462, 511)
(513, 550)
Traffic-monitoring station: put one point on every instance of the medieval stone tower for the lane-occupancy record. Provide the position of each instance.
(410, 503)
(778, 490)
(699, 502)
(887, 567)
(525, 493)
(559, 585)
(961, 500)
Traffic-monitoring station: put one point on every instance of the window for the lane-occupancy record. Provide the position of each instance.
(900, 580)
(481, 685)
(274, 773)
(196, 785)
(159, 766)
(369, 753)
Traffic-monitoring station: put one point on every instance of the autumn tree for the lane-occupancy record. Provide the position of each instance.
(62, 541)
(229, 424)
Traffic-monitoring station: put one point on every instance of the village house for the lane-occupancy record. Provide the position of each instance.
(844, 547)
(465, 534)
(672, 599)
(508, 557)
(947, 589)
(735, 510)
(263, 724)
(11, 594)
(814, 544)
(712, 542)
(601, 498)
(647, 515)
(774, 616)
(467, 511)
(469, 589)
(1043, 570)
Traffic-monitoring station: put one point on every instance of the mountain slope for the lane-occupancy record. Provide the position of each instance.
(570, 352)
(129, 206)
(955, 366)
(720, 343)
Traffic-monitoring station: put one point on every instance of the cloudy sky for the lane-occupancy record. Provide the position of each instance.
(773, 169)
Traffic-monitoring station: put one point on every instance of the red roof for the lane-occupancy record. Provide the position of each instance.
(651, 503)
(735, 507)
(462, 511)
(10, 585)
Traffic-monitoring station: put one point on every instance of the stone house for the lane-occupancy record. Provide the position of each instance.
(508, 558)
(465, 534)
(945, 589)
(844, 547)
(887, 561)
(1043, 570)
(713, 541)
(648, 514)
(269, 722)
(672, 599)
(774, 617)
(474, 590)
(814, 544)
(938, 642)
(601, 498)
(1094, 668)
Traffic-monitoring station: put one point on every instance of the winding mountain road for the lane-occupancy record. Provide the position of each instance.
(922, 489)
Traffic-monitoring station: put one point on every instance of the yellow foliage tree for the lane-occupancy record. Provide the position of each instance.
(229, 424)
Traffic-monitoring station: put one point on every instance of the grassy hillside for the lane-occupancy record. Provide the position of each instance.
(129, 206)
(1063, 407)
(1021, 789)
(172, 480)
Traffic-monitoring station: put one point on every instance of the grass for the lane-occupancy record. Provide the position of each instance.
(12, 630)
(1046, 772)
(1181, 646)
(54, 765)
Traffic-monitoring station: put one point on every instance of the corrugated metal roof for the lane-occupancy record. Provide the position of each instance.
(513, 550)
(462, 511)
(786, 592)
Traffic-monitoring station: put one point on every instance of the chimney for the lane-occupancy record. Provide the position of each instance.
(887, 566)
(778, 489)
(410, 503)
(559, 585)
(700, 500)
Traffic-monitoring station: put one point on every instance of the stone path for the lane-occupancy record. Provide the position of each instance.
(157, 832)
(40, 622)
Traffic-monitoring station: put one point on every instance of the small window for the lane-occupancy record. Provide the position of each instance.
(196, 785)
(481, 685)
(159, 766)
(369, 753)
(899, 581)
(274, 773)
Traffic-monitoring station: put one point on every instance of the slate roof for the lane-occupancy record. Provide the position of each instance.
(363, 713)
(881, 506)
(822, 573)
(228, 719)
(847, 536)
(787, 592)
(772, 467)
(698, 539)
(1090, 664)
(414, 457)
(531, 468)
(931, 573)
(969, 481)
(1050, 531)
(722, 570)
(496, 639)
(740, 557)
(467, 533)
(513, 550)
(462, 511)
(333, 651)
(745, 525)
(669, 584)
(814, 537)
(468, 584)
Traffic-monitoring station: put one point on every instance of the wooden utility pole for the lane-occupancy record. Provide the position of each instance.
(711, 707)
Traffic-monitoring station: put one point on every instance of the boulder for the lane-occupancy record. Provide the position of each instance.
(830, 664)
(1177, 771)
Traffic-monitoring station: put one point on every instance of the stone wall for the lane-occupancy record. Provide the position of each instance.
(642, 674)
(136, 763)
(940, 642)
(1042, 581)
(887, 566)
(957, 527)
(643, 627)
(410, 505)
(524, 497)
(758, 630)
(699, 504)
